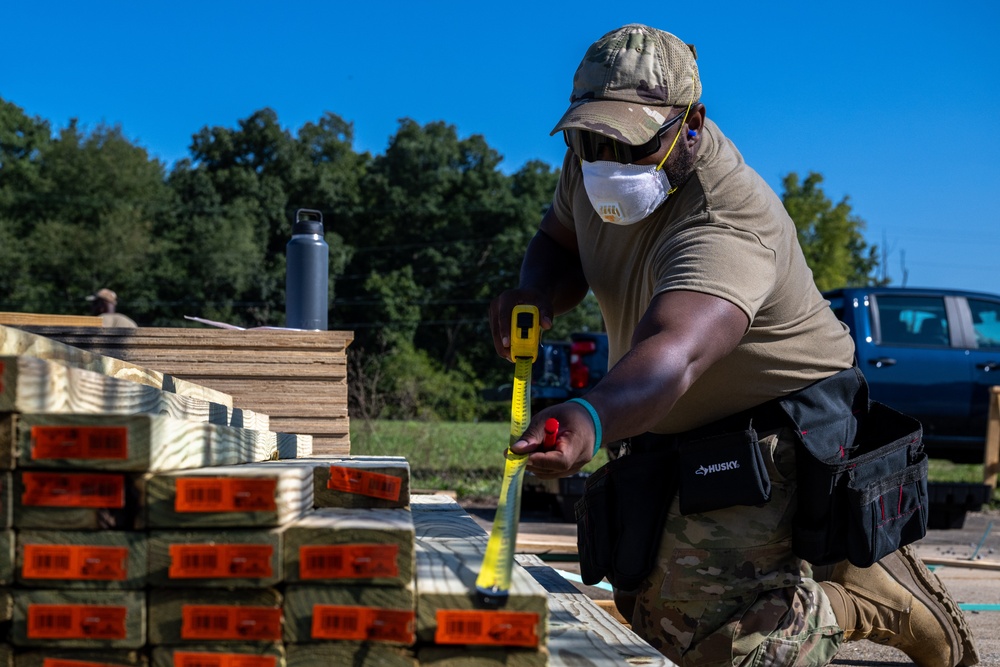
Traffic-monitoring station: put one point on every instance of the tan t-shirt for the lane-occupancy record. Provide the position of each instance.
(725, 233)
(118, 321)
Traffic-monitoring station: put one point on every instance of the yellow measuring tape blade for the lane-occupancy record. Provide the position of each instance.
(493, 582)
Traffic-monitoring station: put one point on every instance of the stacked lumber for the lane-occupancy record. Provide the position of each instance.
(454, 627)
(299, 378)
(84, 444)
(143, 526)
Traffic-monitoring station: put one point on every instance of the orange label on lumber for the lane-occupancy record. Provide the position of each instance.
(365, 483)
(225, 494)
(491, 628)
(363, 623)
(215, 561)
(228, 622)
(348, 561)
(79, 442)
(86, 563)
(52, 489)
(76, 621)
(189, 659)
(59, 662)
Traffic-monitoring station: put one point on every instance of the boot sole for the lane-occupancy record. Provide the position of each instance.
(933, 594)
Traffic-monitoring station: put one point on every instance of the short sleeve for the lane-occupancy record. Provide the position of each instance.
(569, 179)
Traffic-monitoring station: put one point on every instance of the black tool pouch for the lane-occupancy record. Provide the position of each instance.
(862, 474)
(722, 471)
(621, 517)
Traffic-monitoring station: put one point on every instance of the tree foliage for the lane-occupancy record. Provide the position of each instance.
(421, 238)
(830, 235)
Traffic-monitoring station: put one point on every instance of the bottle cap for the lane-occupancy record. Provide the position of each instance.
(308, 221)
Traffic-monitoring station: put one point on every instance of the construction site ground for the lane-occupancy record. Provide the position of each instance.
(967, 559)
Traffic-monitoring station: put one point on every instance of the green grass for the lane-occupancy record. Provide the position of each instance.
(463, 457)
(965, 473)
(468, 457)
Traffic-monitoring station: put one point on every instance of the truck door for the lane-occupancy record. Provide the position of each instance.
(914, 366)
(985, 352)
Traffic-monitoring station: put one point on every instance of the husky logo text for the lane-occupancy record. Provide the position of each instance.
(717, 467)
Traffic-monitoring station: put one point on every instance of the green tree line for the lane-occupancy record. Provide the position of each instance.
(421, 237)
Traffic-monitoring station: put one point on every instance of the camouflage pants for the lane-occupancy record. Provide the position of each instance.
(727, 589)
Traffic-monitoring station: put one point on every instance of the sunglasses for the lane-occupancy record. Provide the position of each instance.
(587, 145)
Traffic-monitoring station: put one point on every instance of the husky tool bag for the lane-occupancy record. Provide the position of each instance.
(621, 517)
(862, 474)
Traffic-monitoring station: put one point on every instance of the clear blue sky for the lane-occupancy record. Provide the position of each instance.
(895, 103)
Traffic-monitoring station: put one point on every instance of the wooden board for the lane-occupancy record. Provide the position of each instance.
(300, 376)
(37, 658)
(7, 543)
(433, 502)
(294, 445)
(352, 546)
(30, 385)
(580, 629)
(8, 436)
(232, 558)
(320, 613)
(208, 655)
(991, 453)
(50, 320)
(359, 481)
(197, 616)
(6, 499)
(79, 619)
(447, 524)
(77, 500)
(355, 654)
(248, 495)
(447, 569)
(17, 342)
(92, 560)
(479, 656)
(140, 442)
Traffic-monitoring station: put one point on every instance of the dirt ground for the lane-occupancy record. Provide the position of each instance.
(946, 552)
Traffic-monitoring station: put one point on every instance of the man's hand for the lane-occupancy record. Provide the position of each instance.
(500, 313)
(574, 442)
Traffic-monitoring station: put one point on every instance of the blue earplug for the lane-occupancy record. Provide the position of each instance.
(692, 134)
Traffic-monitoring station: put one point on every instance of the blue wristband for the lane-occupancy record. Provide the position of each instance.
(597, 422)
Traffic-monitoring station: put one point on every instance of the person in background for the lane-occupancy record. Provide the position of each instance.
(712, 314)
(104, 302)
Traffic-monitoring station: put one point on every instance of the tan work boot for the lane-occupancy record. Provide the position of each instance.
(899, 602)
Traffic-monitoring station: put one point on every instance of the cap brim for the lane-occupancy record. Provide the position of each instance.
(90, 297)
(627, 122)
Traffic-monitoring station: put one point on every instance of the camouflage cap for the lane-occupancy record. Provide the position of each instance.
(104, 294)
(626, 82)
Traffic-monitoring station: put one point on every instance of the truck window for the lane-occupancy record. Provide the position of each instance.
(912, 320)
(986, 322)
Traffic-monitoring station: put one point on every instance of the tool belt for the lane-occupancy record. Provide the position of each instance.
(862, 481)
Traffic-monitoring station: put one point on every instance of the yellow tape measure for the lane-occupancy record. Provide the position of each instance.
(493, 583)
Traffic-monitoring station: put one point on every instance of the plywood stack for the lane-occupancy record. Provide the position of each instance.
(299, 378)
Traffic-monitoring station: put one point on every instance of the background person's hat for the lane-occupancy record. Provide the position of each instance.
(104, 294)
(627, 82)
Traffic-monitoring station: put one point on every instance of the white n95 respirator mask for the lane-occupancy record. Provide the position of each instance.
(624, 194)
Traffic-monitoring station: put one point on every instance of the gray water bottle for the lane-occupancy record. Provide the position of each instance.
(307, 261)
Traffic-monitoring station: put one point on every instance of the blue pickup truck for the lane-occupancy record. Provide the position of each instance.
(930, 353)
